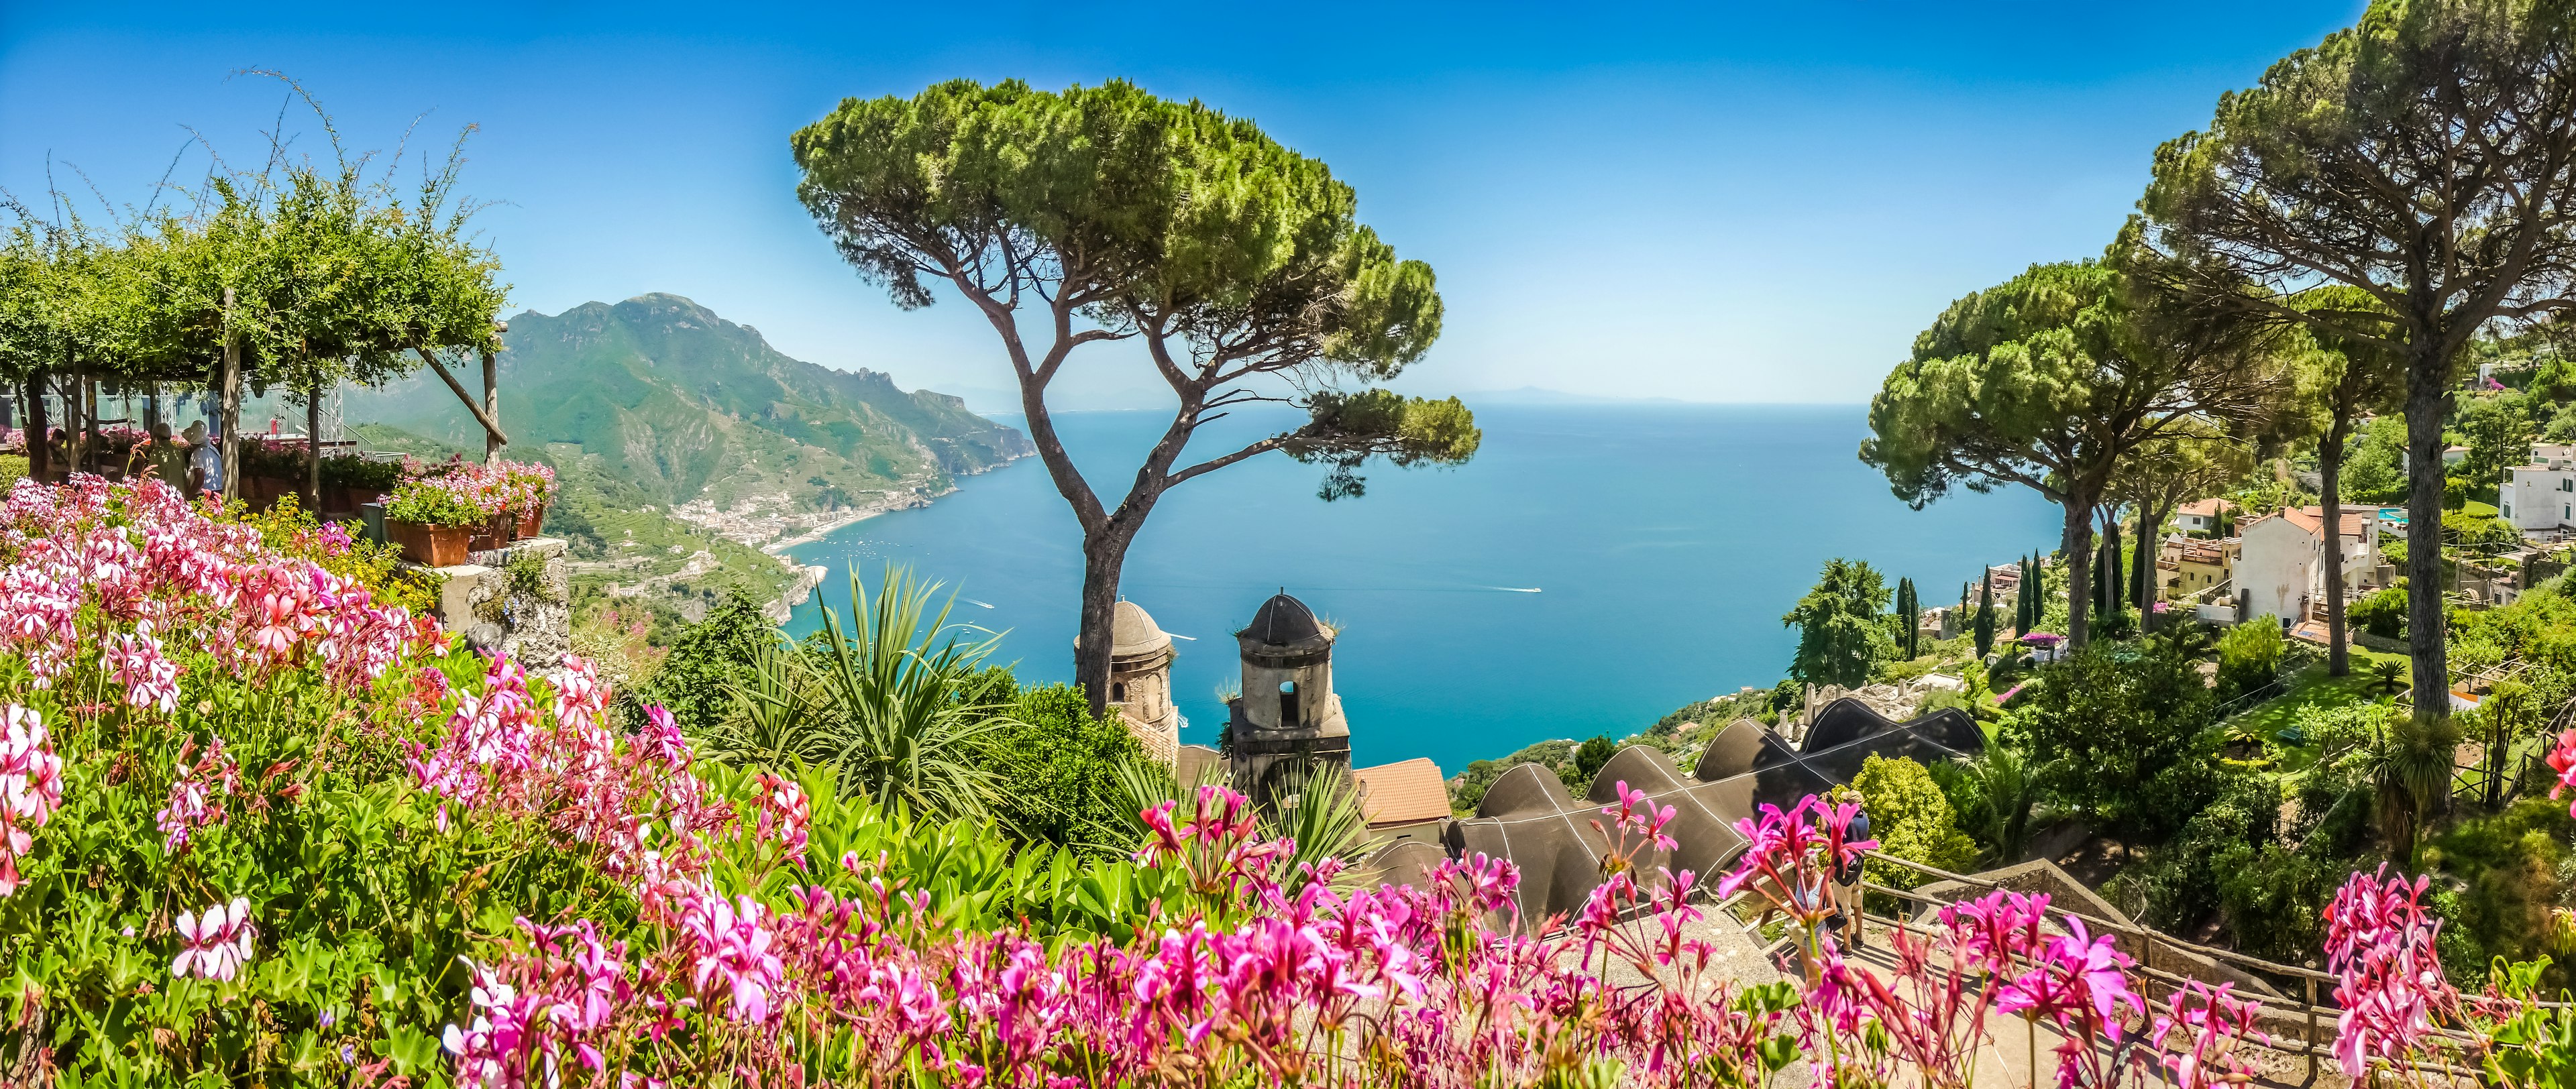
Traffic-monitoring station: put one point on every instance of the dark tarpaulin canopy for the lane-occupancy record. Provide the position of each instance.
(1529, 818)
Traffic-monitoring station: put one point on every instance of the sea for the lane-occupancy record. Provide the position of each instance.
(1593, 568)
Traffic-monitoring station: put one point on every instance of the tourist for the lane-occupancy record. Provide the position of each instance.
(1848, 896)
(168, 457)
(205, 462)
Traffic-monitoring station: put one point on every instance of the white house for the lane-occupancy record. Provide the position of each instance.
(2201, 515)
(2280, 567)
(2541, 495)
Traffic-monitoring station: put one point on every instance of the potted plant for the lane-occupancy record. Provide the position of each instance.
(432, 521)
(530, 489)
(350, 479)
(270, 468)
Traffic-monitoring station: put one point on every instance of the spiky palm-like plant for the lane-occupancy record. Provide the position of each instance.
(2005, 797)
(2411, 762)
(878, 700)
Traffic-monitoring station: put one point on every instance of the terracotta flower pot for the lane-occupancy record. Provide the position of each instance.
(435, 546)
(493, 533)
(532, 522)
(339, 499)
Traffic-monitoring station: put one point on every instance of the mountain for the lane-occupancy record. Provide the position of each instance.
(662, 394)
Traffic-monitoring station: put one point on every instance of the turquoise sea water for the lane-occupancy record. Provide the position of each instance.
(1590, 570)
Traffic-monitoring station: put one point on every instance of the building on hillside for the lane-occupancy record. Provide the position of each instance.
(2280, 565)
(1140, 681)
(2542, 494)
(2201, 515)
(1405, 800)
(1287, 722)
(2197, 565)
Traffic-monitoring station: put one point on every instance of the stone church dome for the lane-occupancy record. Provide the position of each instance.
(1286, 622)
(1132, 631)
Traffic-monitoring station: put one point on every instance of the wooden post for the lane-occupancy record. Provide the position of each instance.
(228, 394)
(2311, 981)
(39, 465)
(491, 407)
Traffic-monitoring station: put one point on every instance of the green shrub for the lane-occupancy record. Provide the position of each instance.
(2249, 656)
(2381, 612)
(2240, 818)
(2106, 722)
(1056, 760)
(1912, 819)
(2270, 897)
(360, 472)
(1594, 753)
(2505, 874)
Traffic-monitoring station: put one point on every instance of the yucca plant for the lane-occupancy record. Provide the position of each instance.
(2411, 761)
(876, 698)
(773, 715)
(1323, 815)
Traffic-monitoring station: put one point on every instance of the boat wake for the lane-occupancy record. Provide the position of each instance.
(1515, 589)
(972, 601)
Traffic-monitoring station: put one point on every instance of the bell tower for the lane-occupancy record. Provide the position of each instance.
(1140, 681)
(1287, 722)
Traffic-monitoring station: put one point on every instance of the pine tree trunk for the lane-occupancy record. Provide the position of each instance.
(2142, 562)
(2079, 573)
(1103, 559)
(2428, 396)
(2330, 498)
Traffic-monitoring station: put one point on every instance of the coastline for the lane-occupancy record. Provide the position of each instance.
(910, 500)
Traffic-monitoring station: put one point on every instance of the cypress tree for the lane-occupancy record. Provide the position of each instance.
(1986, 620)
(1909, 614)
(2025, 592)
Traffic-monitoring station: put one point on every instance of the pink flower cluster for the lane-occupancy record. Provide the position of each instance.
(91, 568)
(2562, 759)
(633, 801)
(31, 787)
(1285, 983)
(535, 1010)
(1999, 953)
(497, 487)
(149, 562)
(197, 794)
(2395, 999)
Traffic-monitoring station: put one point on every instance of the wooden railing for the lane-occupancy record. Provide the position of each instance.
(2309, 1016)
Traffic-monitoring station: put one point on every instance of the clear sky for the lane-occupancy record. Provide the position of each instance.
(1705, 201)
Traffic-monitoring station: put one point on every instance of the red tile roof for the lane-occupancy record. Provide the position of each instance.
(2313, 520)
(1404, 792)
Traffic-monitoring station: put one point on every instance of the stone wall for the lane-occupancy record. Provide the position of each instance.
(516, 599)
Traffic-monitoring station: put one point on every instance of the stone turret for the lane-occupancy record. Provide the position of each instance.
(1287, 721)
(1140, 680)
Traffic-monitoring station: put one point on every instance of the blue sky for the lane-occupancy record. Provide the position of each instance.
(1705, 202)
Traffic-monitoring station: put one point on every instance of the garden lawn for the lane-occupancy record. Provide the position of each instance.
(2314, 688)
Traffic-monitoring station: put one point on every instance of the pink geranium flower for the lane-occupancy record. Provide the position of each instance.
(219, 942)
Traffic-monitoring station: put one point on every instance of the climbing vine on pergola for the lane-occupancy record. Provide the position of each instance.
(299, 276)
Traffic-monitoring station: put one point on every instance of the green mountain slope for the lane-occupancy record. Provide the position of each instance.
(661, 394)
